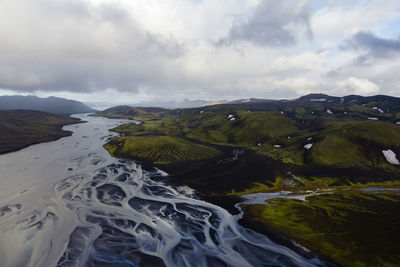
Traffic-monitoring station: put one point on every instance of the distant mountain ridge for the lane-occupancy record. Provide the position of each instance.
(302, 109)
(394, 102)
(348, 99)
(50, 104)
(186, 103)
(357, 99)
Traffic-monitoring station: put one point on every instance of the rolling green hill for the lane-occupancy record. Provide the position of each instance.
(349, 132)
(159, 149)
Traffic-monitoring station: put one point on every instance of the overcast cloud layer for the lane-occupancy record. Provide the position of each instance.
(132, 50)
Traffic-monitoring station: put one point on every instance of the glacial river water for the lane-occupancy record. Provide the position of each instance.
(69, 203)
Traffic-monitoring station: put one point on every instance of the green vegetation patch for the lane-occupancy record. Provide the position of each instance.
(127, 112)
(159, 149)
(356, 144)
(248, 128)
(353, 228)
(338, 143)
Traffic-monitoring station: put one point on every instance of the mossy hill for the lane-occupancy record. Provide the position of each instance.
(21, 128)
(315, 131)
(160, 149)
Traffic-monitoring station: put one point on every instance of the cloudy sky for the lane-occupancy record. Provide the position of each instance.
(126, 51)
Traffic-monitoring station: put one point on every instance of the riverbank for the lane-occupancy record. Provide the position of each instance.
(22, 128)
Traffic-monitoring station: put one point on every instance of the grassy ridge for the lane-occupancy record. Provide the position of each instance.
(353, 228)
(248, 128)
(357, 144)
(21, 128)
(338, 143)
(159, 149)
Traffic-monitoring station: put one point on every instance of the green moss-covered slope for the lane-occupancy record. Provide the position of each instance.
(352, 228)
(159, 149)
(248, 128)
(342, 135)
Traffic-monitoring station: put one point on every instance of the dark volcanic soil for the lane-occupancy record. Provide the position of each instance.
(222, 174)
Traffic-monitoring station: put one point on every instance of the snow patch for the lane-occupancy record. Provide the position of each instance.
(318, 99)
(391, 157)
(329, 111)
(309, 139)
(277, 146)
(282, 112)
(308, 146)
(378, 109)
(373, 118)
(398, 123)
(202, 111)
(231, 117)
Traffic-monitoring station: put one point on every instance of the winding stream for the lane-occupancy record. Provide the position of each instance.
(69, 203)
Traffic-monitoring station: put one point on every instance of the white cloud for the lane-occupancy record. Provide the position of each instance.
(308, 61)
(145, 49)
(300, 85)
(340, 19)
(353, 85)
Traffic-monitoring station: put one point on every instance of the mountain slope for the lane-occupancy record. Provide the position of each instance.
(186, 103)
(51, 104)
(21, 128)
(315, 135)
